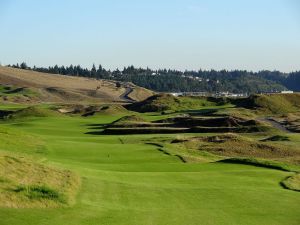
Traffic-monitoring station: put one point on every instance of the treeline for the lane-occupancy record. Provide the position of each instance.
(292, 82)
(237, 81)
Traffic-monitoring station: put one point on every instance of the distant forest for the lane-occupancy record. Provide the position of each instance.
(167, 80)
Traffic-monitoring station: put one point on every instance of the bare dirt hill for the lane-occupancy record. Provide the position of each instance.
(60, 88)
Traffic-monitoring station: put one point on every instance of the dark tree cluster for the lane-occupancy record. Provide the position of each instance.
(293, 81)
(166, 80)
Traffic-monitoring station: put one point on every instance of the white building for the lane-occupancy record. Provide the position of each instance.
(287, 92)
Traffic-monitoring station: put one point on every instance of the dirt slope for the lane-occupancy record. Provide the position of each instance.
(60, 88)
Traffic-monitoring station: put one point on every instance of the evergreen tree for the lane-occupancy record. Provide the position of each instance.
(23, 66)
(94, 71)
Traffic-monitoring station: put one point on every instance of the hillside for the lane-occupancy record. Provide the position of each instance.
(164, 102)
(273, 104)
(59, 88)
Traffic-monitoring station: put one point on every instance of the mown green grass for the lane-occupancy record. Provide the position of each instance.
(11, 106)
(126, 182)
(26, 182)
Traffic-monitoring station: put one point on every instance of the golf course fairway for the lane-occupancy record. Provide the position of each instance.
(127, 182)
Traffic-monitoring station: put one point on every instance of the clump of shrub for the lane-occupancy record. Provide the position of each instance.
(36, 192)
(292, 182)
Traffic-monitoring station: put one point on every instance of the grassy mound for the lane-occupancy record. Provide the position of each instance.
(134, 124)
(140, 94)
(112, 110)
(292, 182)
(32, 111)
(219, 121)
(27, 184)
(236, 112)
(165, 102)
(277, 138)
(274, 104)
(129, 119)
(218, 124)
(233, 145)
(92, 110)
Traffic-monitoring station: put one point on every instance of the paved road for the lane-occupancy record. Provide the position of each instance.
(275, 124)
(125, 96)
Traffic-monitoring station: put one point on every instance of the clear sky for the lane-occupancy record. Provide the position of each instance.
(179, 34)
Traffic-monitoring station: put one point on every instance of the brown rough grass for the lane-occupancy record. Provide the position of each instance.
(290, 121)
(140, 94)
(292, 182)
(18, 175)
(60, 88)
(233, 145)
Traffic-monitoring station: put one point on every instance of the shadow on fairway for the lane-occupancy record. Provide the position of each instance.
(94, 133)
(257, 163)
(98, 127)
(96, 124)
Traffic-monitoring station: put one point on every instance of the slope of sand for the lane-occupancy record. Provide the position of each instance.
(60, 88)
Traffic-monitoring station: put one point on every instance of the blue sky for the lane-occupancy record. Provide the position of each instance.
(179, 34)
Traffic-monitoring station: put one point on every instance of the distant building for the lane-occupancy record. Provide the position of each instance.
(176, 94)
(287, 92)
(207, 94)
(231, 95)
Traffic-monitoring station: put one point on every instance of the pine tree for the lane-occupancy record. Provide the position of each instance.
(23, 66)
(93, 71)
